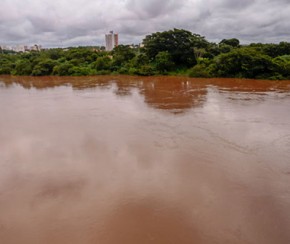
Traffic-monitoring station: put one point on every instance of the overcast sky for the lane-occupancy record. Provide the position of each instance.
(63, 23)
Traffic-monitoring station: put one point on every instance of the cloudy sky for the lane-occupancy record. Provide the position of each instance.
(63, 23)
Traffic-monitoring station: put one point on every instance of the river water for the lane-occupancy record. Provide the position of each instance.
(119, 159)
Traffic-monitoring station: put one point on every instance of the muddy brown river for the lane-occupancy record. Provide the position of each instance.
(133, 160)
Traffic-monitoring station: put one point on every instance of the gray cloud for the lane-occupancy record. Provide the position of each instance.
(84, 22)
(152, 9)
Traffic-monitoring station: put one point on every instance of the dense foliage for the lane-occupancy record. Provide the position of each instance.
(175, 51)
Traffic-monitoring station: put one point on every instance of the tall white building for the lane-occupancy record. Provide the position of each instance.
(112, 40)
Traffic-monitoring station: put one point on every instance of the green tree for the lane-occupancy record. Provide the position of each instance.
(225, 48)
(81, 71)
(163, 62)
(7, 64)
(44, 67)
(178, 43)
(53, 53)
(122, 54)
(146, 70)
(275, 50)
(82, 54)
(211, 51)
(282, 67)
(139, 60)
(233, 42)
(22, 67)
(203, 69)
(243, 63)
(63, 69)
(102, 63)
(199, 41)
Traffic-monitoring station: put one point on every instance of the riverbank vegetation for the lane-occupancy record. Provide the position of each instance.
(173, 52)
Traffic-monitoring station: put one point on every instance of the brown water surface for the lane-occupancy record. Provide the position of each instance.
(106, 160)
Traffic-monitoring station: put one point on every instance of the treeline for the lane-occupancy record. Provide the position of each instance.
(170, 52)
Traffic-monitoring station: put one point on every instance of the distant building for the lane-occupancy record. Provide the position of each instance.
(112, 40)
(22, 48)
(35, 47)
(6, 47)
(19, 48)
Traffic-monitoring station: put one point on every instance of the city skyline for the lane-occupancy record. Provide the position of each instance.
(65, 23)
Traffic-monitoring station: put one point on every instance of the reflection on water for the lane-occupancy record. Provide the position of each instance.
(170, 93)
(144, 160)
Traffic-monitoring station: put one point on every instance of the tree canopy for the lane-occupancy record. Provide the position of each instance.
(175, 51)
(177, 43)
